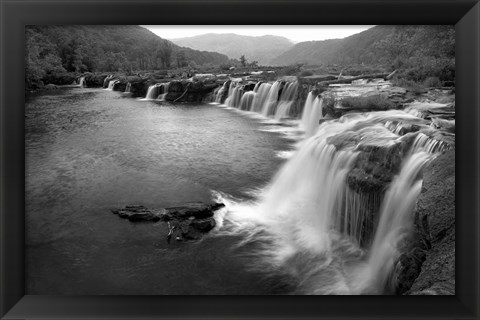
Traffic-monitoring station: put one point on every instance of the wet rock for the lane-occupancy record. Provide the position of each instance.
(197, 210)
(362, 97)
(175, 86)
(204, 225)
(137, 213)
(120, 86)
(138, 86)
(376, 165)
(196, 228)
(50, 86)
(445, 125)
(314, 79)
(434, 233)
(411, 266)
(190, 90)
(429, 110)
(249, 86)
(192, 220)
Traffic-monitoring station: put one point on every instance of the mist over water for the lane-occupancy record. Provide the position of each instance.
(304, 223)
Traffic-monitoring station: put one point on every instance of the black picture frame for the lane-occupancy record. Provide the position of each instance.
(15, 14)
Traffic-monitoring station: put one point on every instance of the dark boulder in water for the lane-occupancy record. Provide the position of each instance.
(175, 86)
(249, 86)
(136, 213)
(198, 210)
(50, 86)
(191, 220)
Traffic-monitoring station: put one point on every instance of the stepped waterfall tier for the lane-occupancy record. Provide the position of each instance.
(112, 83)
(282, 160)
(309, 212)
(316, 186)
(338, 213)
(157, 91)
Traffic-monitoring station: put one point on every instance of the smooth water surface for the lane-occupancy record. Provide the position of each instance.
(91, 150)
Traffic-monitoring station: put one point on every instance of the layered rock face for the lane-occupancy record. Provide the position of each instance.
(429, 267)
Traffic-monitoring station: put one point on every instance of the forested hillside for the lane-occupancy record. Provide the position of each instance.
(261, 49)
(60, 49)
(419, 51)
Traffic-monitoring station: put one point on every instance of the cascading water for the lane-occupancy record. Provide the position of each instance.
(257, 86)
(246, 100)
(221, 93)
(260, 97)
(312, 113)
(287, 97)
(263, 99)
(396, 222)
(163, 91)
(234, 96)
(106, 80)
(128, 87)
(301, 222)
(307, 110)
(112, 83)
(270, 103)
(425, 143)
(81, 82)
(157, 91)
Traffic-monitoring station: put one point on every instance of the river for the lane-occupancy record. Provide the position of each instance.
(334, 218)
(91, 150)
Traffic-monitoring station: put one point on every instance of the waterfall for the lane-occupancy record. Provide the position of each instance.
(307, 110)
(234, 95)
(260, 96)
(289, 92)
(310, 222)
(311, 184)
(312, 113)
(287, 98)
(157, 91)
(270, 103)
(81, 82)
(396, 221)
(163, 91)
(423, 142)
(128, 87)
(151, 93)
(215, 94)
(221, 92)
(112, 83)
(246, 100)
(105, 81)
(257, 86)
(283, 110)
(232, 85)
(265, 98)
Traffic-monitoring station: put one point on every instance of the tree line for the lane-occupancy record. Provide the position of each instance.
(55, 50)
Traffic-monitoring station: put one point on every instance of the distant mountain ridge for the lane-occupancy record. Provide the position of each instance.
(377, 45)
(334, 51)
(261, 48)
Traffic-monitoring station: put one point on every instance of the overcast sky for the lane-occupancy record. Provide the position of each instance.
(294, 33)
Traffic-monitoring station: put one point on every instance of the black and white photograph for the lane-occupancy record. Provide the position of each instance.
(240, 159)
